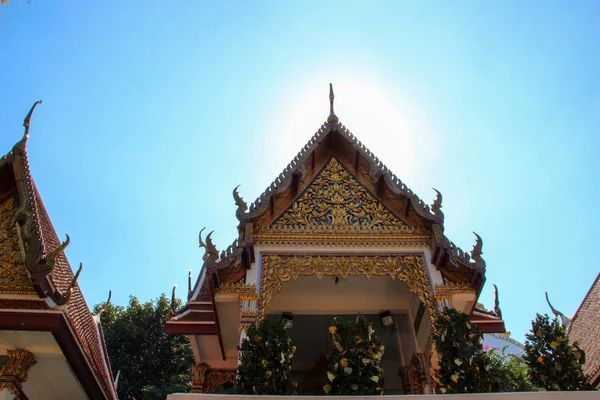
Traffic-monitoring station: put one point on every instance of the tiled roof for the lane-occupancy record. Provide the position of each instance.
(585, 328)
(77, 312)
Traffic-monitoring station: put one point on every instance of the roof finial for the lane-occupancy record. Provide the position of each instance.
(332, 119)
(28, 118)
(26, 122)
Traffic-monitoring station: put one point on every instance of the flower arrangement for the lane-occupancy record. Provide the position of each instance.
(266, 360)
(354, 362)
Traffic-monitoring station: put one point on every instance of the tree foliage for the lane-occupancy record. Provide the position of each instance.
(152, 364)
(354, 362)
(508, 372)
(266, 360)
(464, 367)
(554, 364)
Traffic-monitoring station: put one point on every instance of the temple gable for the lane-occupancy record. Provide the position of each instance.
(13, 276)
(336, 202)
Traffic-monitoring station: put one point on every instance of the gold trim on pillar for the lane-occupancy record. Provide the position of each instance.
(444, 293)
(14, 372)
(215, 379)
(199, 377)
(409, 269)
(248, 310)
(248, 301)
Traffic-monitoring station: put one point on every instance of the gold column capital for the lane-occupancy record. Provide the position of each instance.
(14, 372)
(199, 377)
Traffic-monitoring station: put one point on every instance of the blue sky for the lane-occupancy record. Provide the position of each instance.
(154, 111)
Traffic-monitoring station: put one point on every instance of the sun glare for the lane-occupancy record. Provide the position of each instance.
(388, 120)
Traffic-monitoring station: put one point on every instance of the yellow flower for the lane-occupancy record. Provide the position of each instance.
(344, 362)
(327, 388)
(330, 376)
(332, 329)
(348, 370)
(554, 345)
(338, 345)
(454, 377)
(375, 378)
(268, 374)
(358, 339)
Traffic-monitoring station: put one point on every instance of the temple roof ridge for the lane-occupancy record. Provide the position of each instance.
(377, 168)
(282, 181)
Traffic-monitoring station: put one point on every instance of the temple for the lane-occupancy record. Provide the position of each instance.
(336, 233)
(51, 346)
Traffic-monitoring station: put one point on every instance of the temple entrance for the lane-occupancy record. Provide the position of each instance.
(311, 336)
(314, 302)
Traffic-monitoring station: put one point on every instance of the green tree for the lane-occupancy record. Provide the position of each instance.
(152, 364)
(354, 362)
(554, 364)
(509, 372)
(265, 366)
(464, 367)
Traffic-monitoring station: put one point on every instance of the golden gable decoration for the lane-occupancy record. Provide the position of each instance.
(335, 202)
(13, 276)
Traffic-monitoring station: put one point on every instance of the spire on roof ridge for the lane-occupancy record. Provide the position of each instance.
(332, 119)
(26, 122)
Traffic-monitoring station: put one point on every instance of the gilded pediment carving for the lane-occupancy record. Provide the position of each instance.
(13, 276)
(336, 202)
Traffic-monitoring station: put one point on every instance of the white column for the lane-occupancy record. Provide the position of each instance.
(5, 394)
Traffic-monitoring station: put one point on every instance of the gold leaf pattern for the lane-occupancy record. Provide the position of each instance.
(335, 202)
(13, 276)
(410, 269)
(215, 379)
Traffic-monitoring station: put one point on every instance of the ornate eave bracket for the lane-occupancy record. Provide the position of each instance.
(15, 370)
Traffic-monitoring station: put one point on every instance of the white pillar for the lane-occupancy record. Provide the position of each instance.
(5, 394)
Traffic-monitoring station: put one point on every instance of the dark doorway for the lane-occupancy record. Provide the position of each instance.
(310, 334)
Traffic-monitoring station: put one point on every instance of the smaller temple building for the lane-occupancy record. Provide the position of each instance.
(51, 346)
(336, 234)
